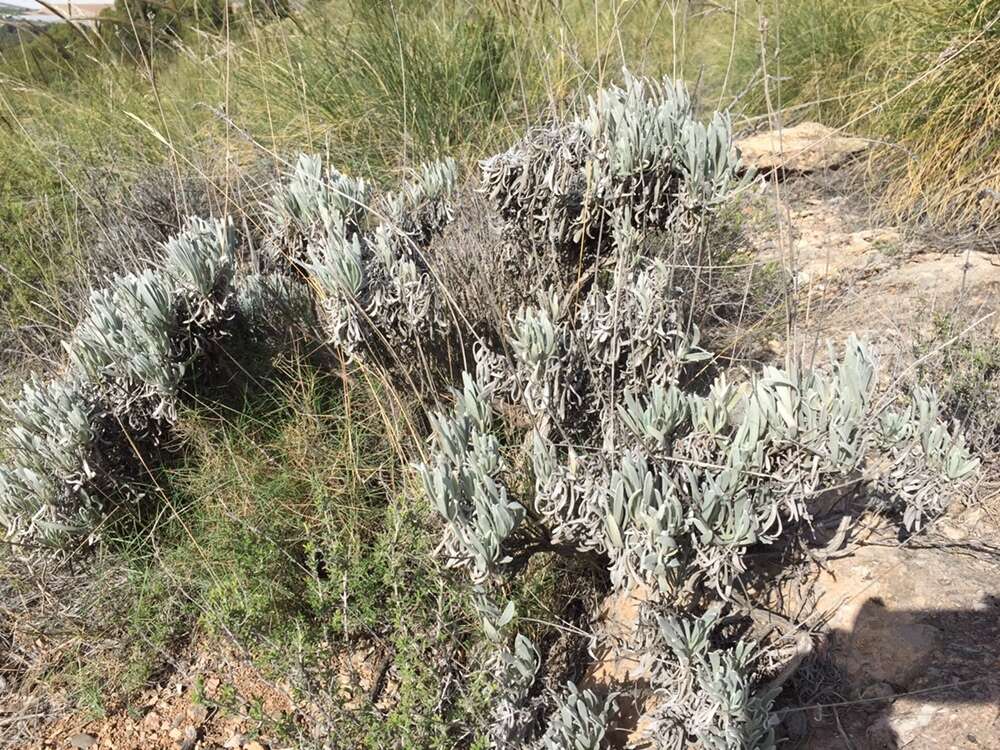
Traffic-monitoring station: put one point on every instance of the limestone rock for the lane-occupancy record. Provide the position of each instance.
(912, 618)
(806, 147)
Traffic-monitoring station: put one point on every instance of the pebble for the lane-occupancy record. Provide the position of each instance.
(878, 690)
(82, 741)
(954, 533)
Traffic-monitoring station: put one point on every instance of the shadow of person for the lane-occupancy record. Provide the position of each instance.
(905, 678)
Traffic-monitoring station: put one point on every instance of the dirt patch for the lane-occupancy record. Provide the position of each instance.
(849, 273)
(213, 698)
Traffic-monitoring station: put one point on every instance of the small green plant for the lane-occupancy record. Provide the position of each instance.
(961, 357)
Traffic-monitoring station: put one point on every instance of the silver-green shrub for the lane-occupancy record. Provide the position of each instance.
(310, 200)
(50, 461)
(701, 690)
(515, 711)
(579, 720)
(465, 485)
(377, 295)
(625, 462)
(915, 438)
(638, 151)
(668, 486)
(674, 487)
(72, 443)
(579, 723)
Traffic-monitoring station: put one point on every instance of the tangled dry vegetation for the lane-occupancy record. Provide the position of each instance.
(558, 324)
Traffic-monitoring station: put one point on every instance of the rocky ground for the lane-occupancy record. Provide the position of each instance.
(911, 646)
(212, 698)
(905, 633)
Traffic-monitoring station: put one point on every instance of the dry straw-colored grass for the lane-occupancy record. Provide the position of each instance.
(920, 77)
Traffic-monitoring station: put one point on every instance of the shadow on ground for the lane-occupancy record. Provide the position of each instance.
(890, 677)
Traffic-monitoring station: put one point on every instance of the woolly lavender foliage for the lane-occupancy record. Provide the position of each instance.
(514, 712)
(700, 479)
(570, 375)
(72, 441)
(141, 332)
(634, 330)
(421, 208)
(124, 341)
(376, 291)
(310, 202)
(570, 490)
(675, 487)
(49, 441)
(579, 723)
(914, 439)
(637, 146)
(579, 720)
(465, 485)
(569, 371)
(702, 691)
(201, 263)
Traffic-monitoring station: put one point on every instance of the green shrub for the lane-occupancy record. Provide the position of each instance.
(138, 29)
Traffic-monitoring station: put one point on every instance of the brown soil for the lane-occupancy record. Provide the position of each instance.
(212, 698)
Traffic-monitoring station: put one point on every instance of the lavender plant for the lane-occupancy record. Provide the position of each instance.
(670, 488)
(702, 690)
(579, 723)
(72, 442)
(638, 148)
(666, 485)
(376, 292)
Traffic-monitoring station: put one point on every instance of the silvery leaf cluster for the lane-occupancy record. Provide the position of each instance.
(638, 146)
(464, 482)
(916, 439)
(701, 690)
(71, 441)
(515, 709)
(580, 722)
(376, 293)
(44, 483)
(309, 202)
